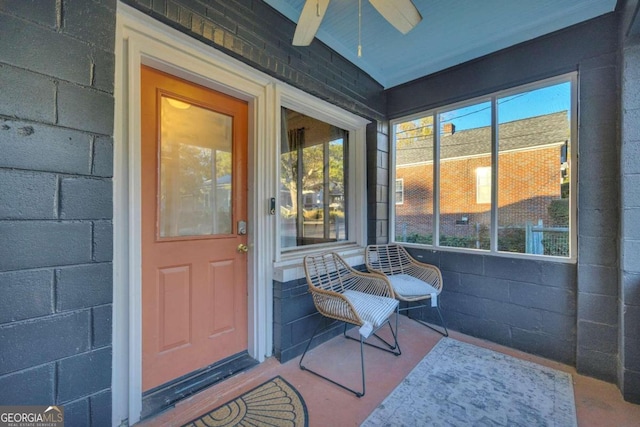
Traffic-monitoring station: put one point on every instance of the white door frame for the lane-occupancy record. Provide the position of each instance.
(143, 40)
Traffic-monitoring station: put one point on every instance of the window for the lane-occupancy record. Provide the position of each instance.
(313, 181)
(496, 176)
(399, 191)
(483, 185)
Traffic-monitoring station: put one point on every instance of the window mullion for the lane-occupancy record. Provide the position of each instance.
(494, 173)
(436, 180)
(325, 190)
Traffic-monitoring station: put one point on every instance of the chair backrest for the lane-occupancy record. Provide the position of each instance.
(388, 259)
(328, 271)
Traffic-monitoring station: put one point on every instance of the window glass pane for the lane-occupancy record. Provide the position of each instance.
(399, 191)
(313, 171)
(465, 176)
(533, 171)
(414, 167)
(195, 170)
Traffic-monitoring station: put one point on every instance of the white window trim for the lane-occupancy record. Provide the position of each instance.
(492, 97)
(141, 39)
(288, 262)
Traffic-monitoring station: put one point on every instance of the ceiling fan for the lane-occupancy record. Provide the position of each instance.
(402, 14)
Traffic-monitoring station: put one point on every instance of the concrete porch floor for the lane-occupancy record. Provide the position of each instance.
(597, 403)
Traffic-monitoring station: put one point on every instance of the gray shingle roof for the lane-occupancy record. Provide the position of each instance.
(531, 132)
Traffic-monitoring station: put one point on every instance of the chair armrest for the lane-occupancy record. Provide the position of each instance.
(426, 272)
(335, 305)
(374, 283)
(391, 259)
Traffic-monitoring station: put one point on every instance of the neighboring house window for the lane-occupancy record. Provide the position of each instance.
(314, 171)
(483, 185)
(399, 191)
(525, 138)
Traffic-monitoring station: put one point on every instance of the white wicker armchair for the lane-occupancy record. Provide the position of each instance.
(362, 299)
(411, 280)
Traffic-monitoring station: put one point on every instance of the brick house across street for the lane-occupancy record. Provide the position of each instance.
(536, 143)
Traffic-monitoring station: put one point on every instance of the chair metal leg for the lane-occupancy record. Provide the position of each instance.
(392, 348)
(304, 368)
(444, 325)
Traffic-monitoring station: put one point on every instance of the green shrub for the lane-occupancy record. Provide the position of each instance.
(559, 212)
(512, 240)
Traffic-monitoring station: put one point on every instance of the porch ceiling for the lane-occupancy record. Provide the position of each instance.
(452, 32)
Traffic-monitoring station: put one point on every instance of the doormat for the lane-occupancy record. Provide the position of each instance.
(272, 403)
(460, 384)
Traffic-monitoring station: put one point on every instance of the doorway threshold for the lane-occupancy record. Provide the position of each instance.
(167, 395)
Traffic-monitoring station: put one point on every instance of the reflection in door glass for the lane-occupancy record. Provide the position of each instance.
(195, 170)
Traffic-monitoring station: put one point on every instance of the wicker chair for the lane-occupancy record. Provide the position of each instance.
(362, 299)
(411, 280)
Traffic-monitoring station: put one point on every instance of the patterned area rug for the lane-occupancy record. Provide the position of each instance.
(273, 403)
(459, 384)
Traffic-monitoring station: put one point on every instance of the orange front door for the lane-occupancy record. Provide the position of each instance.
(194, 204)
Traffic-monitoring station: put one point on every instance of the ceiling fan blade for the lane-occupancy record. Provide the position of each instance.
(310, 18)
(402, 14)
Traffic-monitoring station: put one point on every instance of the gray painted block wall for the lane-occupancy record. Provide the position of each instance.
(56, 126)
(523, 304)
(378, 182)
(564, 312)
(630, 216)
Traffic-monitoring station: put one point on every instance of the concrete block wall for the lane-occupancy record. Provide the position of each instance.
(255, 33)
(378, 182)
(583, 305)
(629, 369)
(56, 127)
(524, 304)
(598, 218)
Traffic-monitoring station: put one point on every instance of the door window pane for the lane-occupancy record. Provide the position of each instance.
(465, 191)
(533, 171)
(313, 181)
(414, 168)
(195, 170)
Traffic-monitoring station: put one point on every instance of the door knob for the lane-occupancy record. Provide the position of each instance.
(242, 248)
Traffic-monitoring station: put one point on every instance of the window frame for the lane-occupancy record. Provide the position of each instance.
(571, 78)
(294, 99)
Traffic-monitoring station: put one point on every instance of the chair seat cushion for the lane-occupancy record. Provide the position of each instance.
(409, 286)
(373, 309)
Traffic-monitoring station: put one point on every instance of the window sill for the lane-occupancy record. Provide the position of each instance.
(290, 266)
(531, 257)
